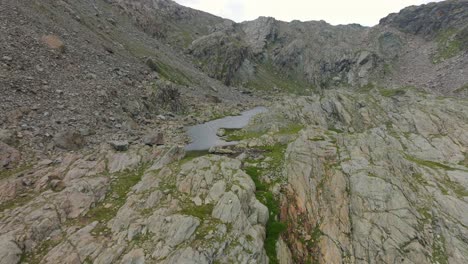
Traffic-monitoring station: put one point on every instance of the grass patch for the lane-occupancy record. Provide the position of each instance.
(447, 46)
(392, 92)
(172, 74)
(315, 237)
(465, 161)
(274, 228)
(239, 134)
(425, 214)
(336, 130)
(19, 201)
(276, 153)
(8, 173)
(456, 187)
(419, 178)
(39, 252)
(439, 254)
(318, 139)
(428, 163)
(267, 77)
(115, 199)
(462, 89)
(366, 88)
(201, 212)
(291, 129)
(193, 154)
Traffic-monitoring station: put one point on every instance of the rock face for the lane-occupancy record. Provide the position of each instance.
(265, 53)
(428, 20)
(375, 186)
(9, 250)
(195, 211)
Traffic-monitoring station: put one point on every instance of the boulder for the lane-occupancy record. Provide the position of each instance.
(8, 156)
(10, 253)
(136, 256)
(221, 150)
(69, 140)
(154, 139)
(221, 132)
(120, 145)
(7, 137)
(54, 42)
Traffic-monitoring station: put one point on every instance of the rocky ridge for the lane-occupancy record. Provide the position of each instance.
(427, 41)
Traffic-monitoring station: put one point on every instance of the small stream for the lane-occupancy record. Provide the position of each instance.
(204, 135)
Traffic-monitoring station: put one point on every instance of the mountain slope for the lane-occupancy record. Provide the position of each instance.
(361, 157)
(104, 75)
(420, 46)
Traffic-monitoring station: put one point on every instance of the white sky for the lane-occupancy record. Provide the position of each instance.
(364, 12)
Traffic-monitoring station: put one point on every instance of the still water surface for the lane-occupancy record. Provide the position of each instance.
(204, 135)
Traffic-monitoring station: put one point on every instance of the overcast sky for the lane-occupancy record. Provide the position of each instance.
(364, 12)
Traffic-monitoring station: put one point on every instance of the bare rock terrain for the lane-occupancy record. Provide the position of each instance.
(361, 157)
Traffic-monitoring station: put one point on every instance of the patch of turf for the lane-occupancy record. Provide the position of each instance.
(392, 92)
(8, 173)
(115, 199)
(448, 45)
(428, 163)
(200, 212)
(439, 254)
(462, 89)
(274, 227)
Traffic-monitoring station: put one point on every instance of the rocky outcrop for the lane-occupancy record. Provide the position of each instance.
(9, 157)
(429, 20)
(93, 116)
(203, 211)
(220, 54)
(69, 140)
(374, 186)
(146, 208)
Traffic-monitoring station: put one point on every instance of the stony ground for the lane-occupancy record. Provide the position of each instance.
(95, 98)
(371, 177)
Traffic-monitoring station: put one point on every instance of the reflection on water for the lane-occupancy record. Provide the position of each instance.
(204, 135)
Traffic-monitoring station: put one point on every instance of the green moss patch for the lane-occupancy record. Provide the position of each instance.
(456, 187)
(428, 163)
(115, 198)
(40, 251)
(17, 202)
(193, 154)
(8, 173)
(201, 212)
(392, 92)
(439, 254)
(268, 77)
(274, 227)
(240, 134)
(464, 88)
(448, 45)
